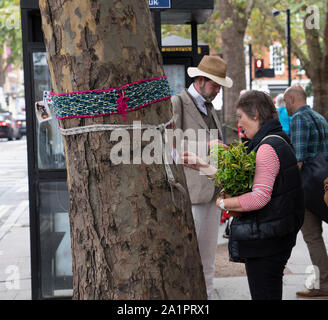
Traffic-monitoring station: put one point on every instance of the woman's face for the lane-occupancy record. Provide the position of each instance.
(249, 125)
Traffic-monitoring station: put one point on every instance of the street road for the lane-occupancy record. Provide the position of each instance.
(13, 183)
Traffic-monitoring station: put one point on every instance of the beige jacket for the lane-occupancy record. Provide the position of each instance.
(187, 116)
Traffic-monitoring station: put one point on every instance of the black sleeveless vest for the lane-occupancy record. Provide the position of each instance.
(273, 228)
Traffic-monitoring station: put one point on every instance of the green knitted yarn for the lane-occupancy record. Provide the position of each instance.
(94, 103)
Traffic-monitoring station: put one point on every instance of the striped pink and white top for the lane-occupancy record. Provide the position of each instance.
(266, 171)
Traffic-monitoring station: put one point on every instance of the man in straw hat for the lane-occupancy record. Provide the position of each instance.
(193, 109)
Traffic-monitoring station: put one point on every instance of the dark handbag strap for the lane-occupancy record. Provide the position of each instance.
(316, 125)
(182, 111)
(267, 137)
(274, 135)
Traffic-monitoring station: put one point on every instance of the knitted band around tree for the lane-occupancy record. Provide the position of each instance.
(98, 103)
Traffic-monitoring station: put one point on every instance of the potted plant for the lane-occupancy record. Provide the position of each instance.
(235, 168)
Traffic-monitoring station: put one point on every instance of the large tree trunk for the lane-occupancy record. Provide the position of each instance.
(129, 241)
(318, 66)
(325, 66)
(320, 94)
(233, 54)
(321, 98)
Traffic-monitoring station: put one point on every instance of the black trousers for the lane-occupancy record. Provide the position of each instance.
(265, 275)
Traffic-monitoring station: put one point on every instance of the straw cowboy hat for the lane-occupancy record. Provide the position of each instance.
(214, 68)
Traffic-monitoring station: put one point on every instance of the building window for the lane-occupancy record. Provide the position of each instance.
(300, 70)
(277, 59)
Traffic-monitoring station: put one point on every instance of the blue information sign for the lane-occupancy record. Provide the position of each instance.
(159, 4)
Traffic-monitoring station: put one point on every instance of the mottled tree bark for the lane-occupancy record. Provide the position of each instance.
(129, 241)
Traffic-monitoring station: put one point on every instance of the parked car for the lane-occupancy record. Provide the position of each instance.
(21, 123)
(8, 127)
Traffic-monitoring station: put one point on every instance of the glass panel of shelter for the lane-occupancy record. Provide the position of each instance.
(50, 145)
(55, 243)
(176, 77)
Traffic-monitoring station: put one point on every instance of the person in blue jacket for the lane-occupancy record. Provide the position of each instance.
(282, 113)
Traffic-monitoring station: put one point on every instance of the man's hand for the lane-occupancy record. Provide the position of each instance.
(192, 161)
(218, 143)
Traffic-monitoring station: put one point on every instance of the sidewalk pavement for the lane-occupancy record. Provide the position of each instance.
(15, 269)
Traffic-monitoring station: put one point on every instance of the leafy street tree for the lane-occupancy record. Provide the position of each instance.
(129, 241)
(10, 37)
(309, 40)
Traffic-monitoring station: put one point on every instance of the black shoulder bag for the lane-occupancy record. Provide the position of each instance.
(314, 172)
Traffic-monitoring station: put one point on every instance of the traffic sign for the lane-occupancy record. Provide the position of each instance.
(259, 67)
(261, 72)
(159, 4)
(259, 63)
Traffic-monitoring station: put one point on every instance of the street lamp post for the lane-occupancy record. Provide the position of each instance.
(276, 12)
(250, 53)
(288, 48)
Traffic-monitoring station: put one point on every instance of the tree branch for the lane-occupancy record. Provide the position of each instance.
(313, 45)
(249, 7)
(296, 50)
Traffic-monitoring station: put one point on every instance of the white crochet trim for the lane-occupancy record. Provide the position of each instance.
(135, 125)
(112, 127)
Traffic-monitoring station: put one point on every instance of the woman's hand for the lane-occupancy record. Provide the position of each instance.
(230, 213)
(218, 200)
(326, 191)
